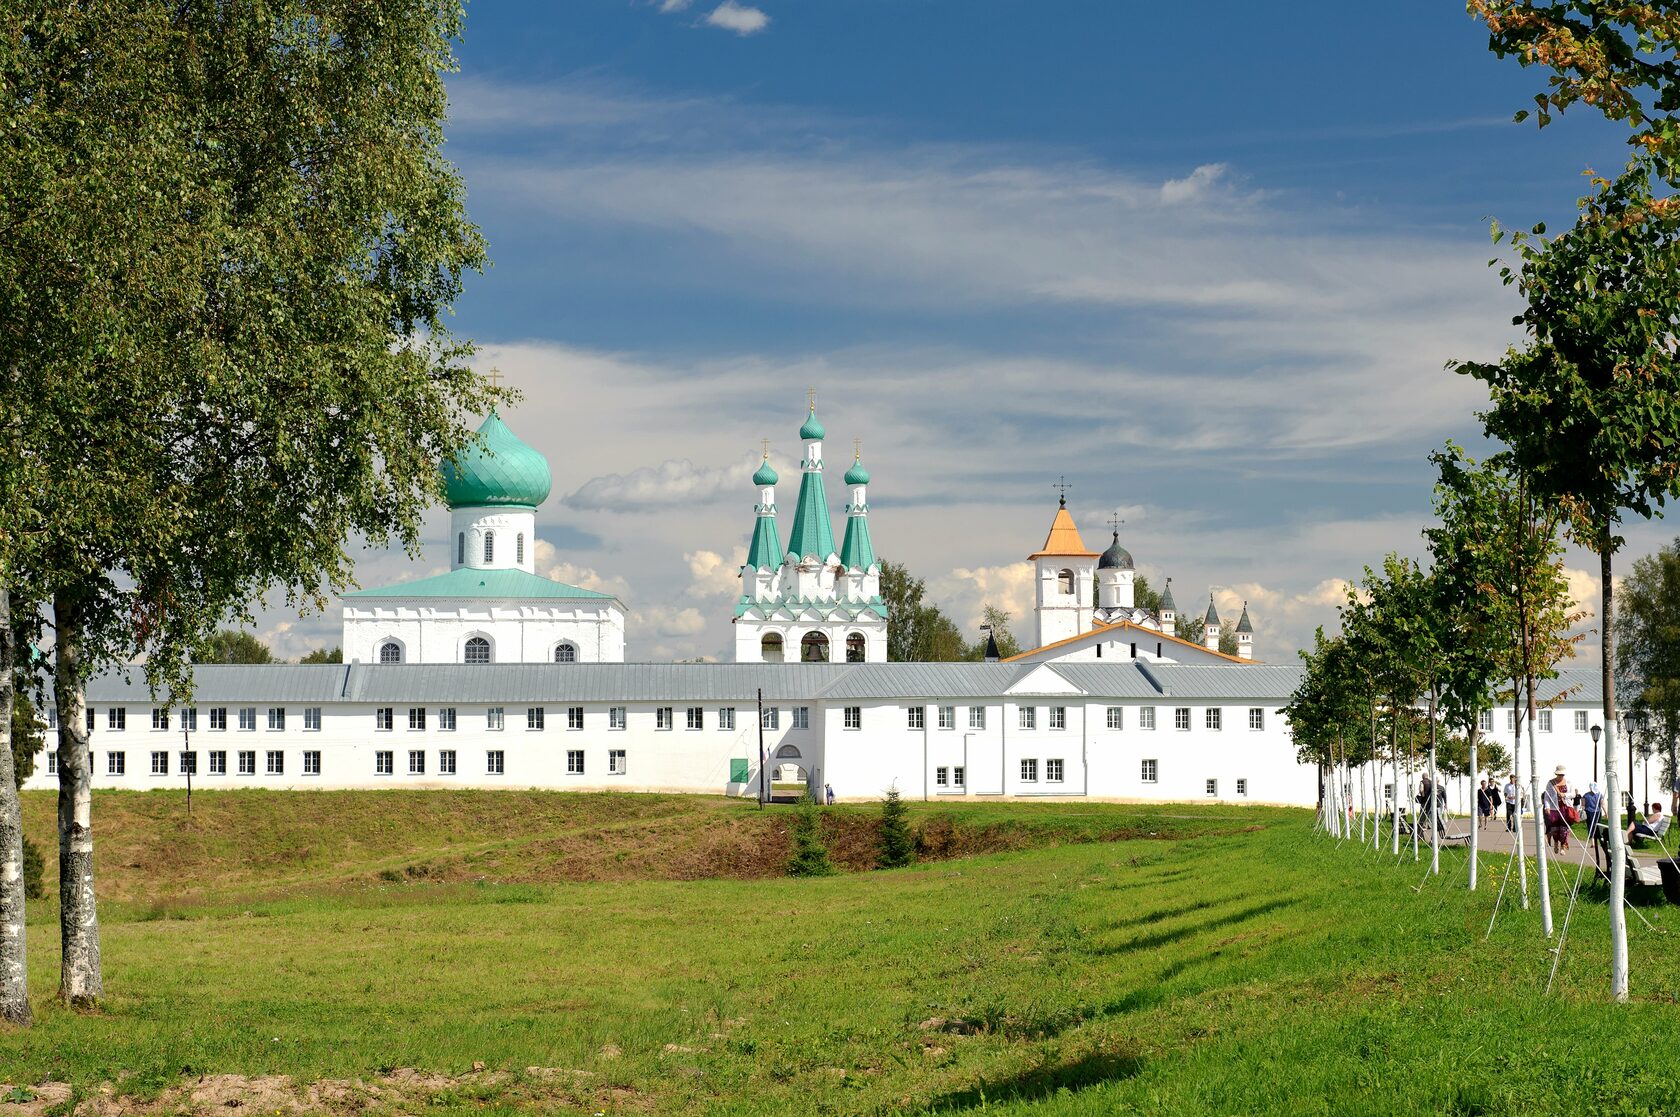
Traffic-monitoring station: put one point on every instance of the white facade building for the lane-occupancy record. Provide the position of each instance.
(492, 606)
(1131, 730)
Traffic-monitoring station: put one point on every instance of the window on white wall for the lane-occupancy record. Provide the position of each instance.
(574, 762)
(276, 718)
(160, 718)
(615, 717)
(1146, 717)
(188, 765)
(493, 762)
(384, 762)
(446, 718)
(390, 652)
(1580, 721)
(417, 717)
(854, 717)
(1117, 717)
(574, 717)
(617, 762)
(1029, 771)
(662, 718)
(977, 717)
(802, 717)
(494, 718)
(1545, 721)
(189, 719)
(218, 718)
(947, 717)
(52, 763)
(697, 717)
(1213, 788)
(519, 548)
(915, 717)
(218, 762)
(446, 762)
(248, 719)
(1215, 717)
(565, 653)
(116, 718)
(772, 718)
(276, 762)
(312, 719)
(1053, 771)
(534, 717)
(1484, 721)
(416, 762)
(1510, 720)
(383, 718)
(476, 650)
(489, 547)
(1151, 771)
(1181, 717)
(1242, 787)
(1058, 717)
(116, 763)
(958, 775)
(726, 717)
(941, 777)
(160, 763)
(1029, 717)
(312, 762)
(247, 762)
(1256, 717)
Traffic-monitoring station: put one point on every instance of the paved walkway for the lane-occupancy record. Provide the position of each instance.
(1495, 839)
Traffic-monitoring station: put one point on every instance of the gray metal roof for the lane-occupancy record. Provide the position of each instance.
(1107, 680)
(1230, 680)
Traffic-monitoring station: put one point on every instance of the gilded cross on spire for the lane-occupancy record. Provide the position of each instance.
(857, 449)
(495, 377)
(1063, 485)
(765, 442)
(811, 398)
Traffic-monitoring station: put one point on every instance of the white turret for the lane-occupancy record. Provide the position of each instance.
(1062, 577)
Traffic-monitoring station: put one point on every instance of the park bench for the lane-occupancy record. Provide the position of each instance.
(1641, 872)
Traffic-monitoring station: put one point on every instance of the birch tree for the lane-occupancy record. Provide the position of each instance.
(1590, 405)
(226, 288)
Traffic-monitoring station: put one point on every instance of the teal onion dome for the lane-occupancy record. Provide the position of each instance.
(765, 475)
(813, 427)
(499, 469)
(857, 475)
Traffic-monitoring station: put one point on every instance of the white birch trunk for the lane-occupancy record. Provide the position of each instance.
(1613, 814)
(14, 958)
(80, 980)
(1539, 820)
(1516, 770)
(1434, 797)
(1364, 777)
(1476, 822)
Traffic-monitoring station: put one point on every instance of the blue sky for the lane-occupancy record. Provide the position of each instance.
(1209, 269)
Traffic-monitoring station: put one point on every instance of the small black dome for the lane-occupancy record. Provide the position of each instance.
(1116, 557)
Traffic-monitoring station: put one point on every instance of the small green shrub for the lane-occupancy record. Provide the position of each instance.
(34, 871)
(810, 853)
(897, 846)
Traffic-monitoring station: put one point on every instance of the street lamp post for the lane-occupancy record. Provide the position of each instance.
(1597, 732)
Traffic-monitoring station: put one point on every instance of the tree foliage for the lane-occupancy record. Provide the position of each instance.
(229, 646)
(897, 845)
(322, 655)
(1648, 647)
(917, 631)
(810, 852)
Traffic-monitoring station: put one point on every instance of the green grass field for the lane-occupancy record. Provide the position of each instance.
(1193, 959)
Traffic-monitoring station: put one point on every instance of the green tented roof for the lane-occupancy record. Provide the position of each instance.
(766, 550)
(467, 582)
(1166, 599)
(499, 470)
(1212, 614)
(1243, 625)
(858, 551)
(811, 533)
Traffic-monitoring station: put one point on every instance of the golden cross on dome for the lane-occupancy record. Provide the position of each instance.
(857, 449)
(811, 398)
(1116, 522)
(1063, 485)
(765, 442)
(495, 377)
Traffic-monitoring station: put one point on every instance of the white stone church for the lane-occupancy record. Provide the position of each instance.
(490, 675)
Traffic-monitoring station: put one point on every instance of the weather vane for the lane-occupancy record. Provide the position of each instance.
(1063, 484)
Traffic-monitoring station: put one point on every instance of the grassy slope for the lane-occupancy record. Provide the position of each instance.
(1228, 969)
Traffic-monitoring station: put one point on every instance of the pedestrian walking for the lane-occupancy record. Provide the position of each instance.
(1512, 793)
(1484, 803)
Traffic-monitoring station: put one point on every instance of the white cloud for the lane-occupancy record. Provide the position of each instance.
(738, 18)
(673, 5)
(1195, 186)
(659, 620)
(964, 593)
(547, 562)
(670, 482)
(713, 575)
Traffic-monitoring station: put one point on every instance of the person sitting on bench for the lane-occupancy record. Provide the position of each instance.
(1654, 825)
